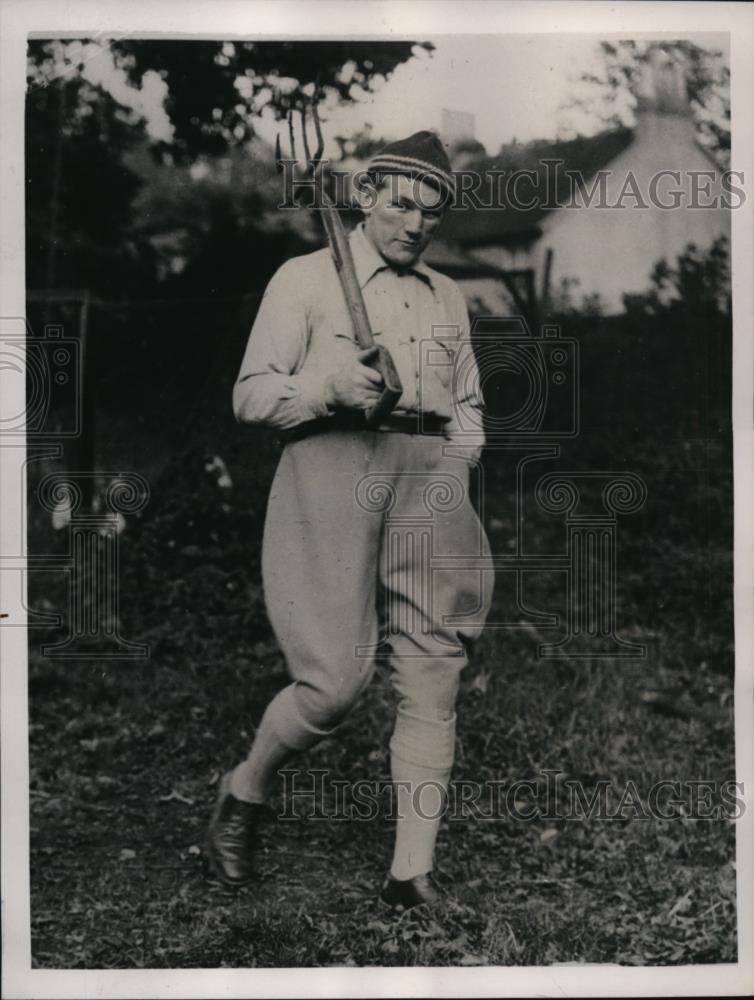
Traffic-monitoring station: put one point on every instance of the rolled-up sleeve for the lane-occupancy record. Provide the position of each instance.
(271, 389)
(466, 425)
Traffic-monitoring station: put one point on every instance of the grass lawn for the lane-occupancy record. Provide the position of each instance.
(126, 755)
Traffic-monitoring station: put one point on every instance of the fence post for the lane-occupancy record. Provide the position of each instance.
(84, 462)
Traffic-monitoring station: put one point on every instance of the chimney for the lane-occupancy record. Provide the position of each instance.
(662, 85)
(457, 127)
(458, 135)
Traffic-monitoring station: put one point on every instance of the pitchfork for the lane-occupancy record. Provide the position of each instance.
(344, 265)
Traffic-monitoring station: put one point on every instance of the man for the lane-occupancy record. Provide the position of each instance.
(329, 580)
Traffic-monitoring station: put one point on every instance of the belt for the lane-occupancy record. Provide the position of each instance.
(355, 420)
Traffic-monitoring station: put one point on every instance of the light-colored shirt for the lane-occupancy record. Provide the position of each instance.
(303, 334)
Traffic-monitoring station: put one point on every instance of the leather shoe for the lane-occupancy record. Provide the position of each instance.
(231, 836)
(403, 894)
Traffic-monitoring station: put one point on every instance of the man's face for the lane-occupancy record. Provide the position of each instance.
(402, 218)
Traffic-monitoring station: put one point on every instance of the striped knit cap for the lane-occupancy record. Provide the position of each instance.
(422, 156)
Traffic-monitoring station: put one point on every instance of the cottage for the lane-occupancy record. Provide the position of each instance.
(600, 213)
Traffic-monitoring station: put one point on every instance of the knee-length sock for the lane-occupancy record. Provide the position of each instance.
(282, 732)
(420, 797)
(421, 757)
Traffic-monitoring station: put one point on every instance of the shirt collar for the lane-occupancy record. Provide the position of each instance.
(368, 260)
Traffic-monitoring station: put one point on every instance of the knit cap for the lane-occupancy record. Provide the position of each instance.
(421, 155)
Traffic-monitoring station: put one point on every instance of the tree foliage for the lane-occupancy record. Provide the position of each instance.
(698, 282)
(216, 89)
(707, 85)
(99, 186)
(79, 185)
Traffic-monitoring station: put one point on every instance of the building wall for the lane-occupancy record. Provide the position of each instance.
(613, 250)
(610, 251)
(492, 297)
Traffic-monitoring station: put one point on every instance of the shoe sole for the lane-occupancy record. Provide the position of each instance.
(400, 908)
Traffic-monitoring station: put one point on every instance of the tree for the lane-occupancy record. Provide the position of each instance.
(92, 219)
(609, 93)
(79, 187)
(216, 224)
(697, 284)
(217, 89)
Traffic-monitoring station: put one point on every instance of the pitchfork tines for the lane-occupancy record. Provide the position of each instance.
(312, 161)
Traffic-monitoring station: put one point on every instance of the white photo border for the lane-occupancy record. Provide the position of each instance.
(394, 19)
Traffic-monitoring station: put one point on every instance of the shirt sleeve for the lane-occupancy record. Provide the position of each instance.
(465, 428)
(270, 388)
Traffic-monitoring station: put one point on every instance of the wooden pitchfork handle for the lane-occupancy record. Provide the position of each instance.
(340, 249)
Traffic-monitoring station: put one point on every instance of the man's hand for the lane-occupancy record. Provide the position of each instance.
(356, 386)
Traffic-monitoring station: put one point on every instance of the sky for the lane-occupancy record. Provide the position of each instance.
(515, 86)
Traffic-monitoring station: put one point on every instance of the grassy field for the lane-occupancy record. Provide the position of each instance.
(125, 755)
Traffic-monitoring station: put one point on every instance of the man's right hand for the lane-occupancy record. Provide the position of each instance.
(357, 385)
